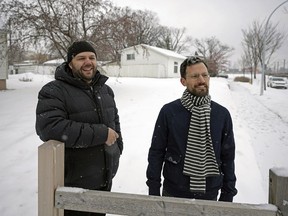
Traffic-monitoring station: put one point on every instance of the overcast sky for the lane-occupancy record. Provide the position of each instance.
(223, 19)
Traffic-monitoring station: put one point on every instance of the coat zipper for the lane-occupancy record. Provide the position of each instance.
(97, 99)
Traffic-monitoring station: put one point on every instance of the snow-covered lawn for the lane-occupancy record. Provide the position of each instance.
(260, 127)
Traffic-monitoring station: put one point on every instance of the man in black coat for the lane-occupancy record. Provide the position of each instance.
(79, 109)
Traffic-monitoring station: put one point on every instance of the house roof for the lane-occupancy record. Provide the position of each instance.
(54, 62)
(162, 51)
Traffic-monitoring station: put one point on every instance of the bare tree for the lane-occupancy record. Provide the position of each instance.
(214, 52)
(273, 41)
(254, 38)
(250, 46)
(53, 24)
(147, 27)
(132, 27)
(174, 39)
(50, 26)
(246, 63)
(125, 27)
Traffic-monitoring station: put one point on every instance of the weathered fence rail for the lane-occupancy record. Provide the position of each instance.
(53, 197)
(132, 204)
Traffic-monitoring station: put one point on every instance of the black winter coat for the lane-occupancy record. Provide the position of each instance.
(79, 115)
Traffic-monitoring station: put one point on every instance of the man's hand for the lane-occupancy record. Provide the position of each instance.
(112, 137)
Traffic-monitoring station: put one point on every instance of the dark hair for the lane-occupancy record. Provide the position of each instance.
(192, 60)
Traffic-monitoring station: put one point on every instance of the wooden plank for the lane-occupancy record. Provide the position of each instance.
(50, 175)
(132, 204)
(278, 189)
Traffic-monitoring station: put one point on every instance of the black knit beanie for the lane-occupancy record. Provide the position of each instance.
(78, 47)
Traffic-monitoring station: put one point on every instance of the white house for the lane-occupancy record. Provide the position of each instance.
(47, 67)
(146, 61)
(54, 62)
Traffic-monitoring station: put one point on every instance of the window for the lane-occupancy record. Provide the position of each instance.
(175, 67)
(131, 56)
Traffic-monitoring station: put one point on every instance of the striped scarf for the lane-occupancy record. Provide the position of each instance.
(200, 160)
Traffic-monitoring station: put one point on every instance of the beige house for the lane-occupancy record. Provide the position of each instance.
(146, 61)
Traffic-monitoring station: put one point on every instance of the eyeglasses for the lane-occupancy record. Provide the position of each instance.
(197, 76)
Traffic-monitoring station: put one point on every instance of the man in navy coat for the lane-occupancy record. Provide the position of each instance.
(193, 143)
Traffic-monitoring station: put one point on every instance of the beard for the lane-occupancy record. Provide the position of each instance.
(85, 73)
(199, 90)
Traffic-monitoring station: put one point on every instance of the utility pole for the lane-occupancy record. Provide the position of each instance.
(277, 67)
(264, 47)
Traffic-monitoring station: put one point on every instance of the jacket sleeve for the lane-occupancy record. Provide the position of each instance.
(53, 123)
(156, 155)
(228, 190)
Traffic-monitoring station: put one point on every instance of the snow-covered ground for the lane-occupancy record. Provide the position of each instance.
(260, 127)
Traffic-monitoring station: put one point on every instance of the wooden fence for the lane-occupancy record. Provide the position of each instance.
(53, 197)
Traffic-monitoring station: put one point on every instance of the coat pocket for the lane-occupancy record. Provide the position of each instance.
(173, 158)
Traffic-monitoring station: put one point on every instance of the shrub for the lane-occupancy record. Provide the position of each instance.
(242, 79)
(25, 79)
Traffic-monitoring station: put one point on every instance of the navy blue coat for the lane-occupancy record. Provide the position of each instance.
(168, 147)
(79, 115)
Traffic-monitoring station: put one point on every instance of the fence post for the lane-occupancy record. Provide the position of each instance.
(50, 175)
(278, 189)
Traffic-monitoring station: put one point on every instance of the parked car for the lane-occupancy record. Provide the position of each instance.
(277, 82)
(223, 75)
